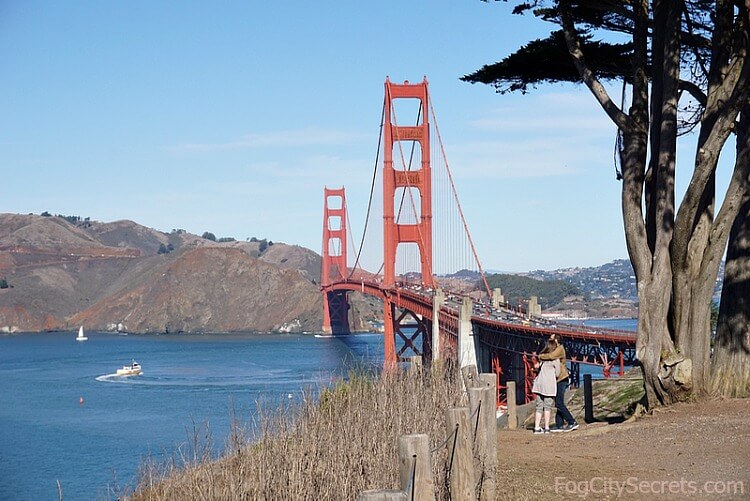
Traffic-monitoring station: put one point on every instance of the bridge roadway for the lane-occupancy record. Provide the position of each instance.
(420, 301)
(505, 340)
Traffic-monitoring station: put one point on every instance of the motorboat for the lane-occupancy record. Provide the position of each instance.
(81, 336)
(130, 370)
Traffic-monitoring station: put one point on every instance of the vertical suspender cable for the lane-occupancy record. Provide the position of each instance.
(458, 204)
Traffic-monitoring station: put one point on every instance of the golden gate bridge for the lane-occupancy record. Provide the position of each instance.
(425, 239)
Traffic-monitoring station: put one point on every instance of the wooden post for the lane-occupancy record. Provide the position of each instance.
(489, 383)
(469, 377)
(460, 454)
(415, 365)
(489, 418)
(382, 495)
(512, 410)
(488, 380)
(588, 399)
(415, 467)
(485, 438)
(475, 400)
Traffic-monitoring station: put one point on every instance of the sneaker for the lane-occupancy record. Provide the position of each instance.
(546, 430)
(538, 431)
(557, 430)
(570, 427)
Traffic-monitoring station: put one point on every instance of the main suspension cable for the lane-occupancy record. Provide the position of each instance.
(372, 190)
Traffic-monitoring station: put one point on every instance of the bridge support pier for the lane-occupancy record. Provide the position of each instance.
(467, 354)
(389, 334)
(438, 301)
(414, 330)
(336, 313)
(497, 298)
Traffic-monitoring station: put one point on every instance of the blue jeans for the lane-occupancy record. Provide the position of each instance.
(562, 415)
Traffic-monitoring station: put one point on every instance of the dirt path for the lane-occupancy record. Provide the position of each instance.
(688, 451)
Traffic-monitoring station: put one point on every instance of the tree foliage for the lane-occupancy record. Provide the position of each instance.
(165, 249)
(209, 236)
(547, 61)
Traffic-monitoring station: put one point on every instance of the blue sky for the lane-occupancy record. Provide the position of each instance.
(231, 117)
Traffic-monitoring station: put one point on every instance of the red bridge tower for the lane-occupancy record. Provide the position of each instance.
(395, 233)
(333, 264)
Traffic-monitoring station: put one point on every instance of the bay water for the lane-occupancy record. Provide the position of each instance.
(65, 416)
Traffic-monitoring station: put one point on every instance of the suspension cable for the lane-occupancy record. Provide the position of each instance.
(458, 202)
(351, 239)
(372, 190)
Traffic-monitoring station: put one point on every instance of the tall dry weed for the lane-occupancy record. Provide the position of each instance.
(328, 448)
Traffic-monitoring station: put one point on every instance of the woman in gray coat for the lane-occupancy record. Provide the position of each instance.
(545, 388)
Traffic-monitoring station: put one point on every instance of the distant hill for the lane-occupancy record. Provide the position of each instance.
(602, 291)
(63, 272)
(518, 289)
(611, 280)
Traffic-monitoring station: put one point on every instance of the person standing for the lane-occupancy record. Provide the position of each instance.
(545, 388)
(564, 420)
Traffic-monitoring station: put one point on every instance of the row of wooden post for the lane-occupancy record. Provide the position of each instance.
(475, 438)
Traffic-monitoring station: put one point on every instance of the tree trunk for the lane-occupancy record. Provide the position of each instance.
(731, 359)
(654, 339)
(665, 380)
(730, 371)
(695, 265)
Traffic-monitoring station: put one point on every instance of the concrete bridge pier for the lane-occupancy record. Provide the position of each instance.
(438, 301)
(467, 354)
(497, 298)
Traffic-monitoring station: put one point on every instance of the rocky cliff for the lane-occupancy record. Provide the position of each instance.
(62, 274)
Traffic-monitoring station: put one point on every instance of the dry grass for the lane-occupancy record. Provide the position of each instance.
(332, 447)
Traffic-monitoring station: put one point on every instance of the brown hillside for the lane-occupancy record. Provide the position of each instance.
(294, 257)
(51, 233)
(96, 274)
(211, 290)
(127, 234)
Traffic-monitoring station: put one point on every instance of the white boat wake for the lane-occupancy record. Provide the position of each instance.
(113, 378)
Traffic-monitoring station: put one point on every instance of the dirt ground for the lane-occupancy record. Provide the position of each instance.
(687, 451)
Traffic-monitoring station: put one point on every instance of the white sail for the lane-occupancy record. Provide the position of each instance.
(81, 337)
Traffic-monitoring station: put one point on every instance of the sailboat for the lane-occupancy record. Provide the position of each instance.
(81, 337)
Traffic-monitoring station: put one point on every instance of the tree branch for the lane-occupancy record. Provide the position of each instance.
(597, 89)
(725, 98)
(697, 93)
